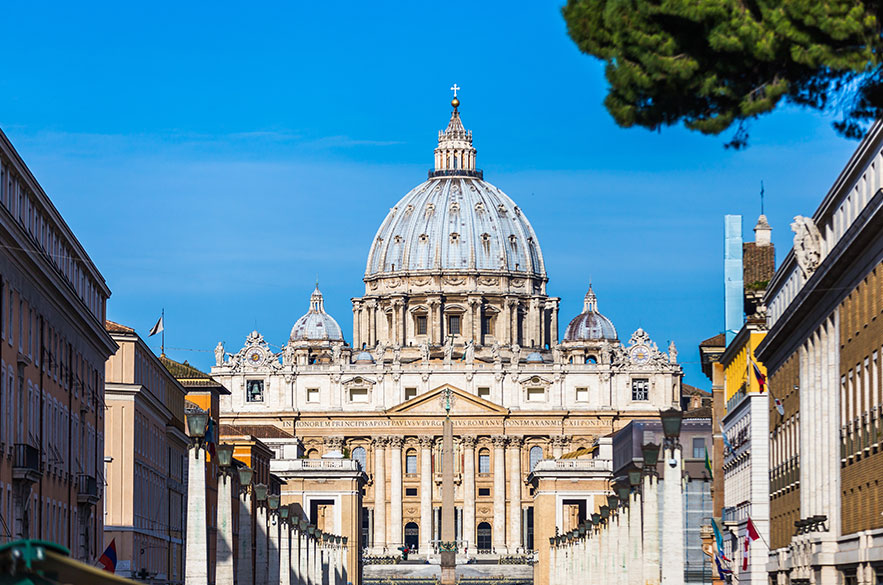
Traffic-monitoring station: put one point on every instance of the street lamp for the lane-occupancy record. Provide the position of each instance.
(224, 453)
(605, 512)
(671, 423)
(284, 512)
(612, 502)
(273, 501)
(260, 492)
(634, 478)
(624, 495)
(197, 421)
(596, 519)
(245, 475)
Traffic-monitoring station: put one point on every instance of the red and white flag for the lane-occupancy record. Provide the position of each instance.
(751, 535)
(758, 375)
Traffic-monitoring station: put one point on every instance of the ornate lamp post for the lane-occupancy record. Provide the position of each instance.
(273, 528)
(196, 558)
(225, 572)
(673, 497)
(261, 566)
(303, 562)
(244, 573)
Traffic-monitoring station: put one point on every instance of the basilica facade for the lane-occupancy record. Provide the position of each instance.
(455, 298)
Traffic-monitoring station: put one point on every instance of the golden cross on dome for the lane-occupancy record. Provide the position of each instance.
(455, 88)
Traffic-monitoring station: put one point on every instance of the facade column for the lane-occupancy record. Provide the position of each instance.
(651, 529)
(434, 321)
(395, 492)
(468, 527)
(285, 554)
(636, 553)
(554, 327)
(273, 548)
(514, 459)
(499, 536)
(425, 495)
(504, 321)
(535, 331)
(260, 545)
(224, 572)
(303, 566)
(673, 518)
(380, 494)
(357, 324)
(244, 575)
(196, 559)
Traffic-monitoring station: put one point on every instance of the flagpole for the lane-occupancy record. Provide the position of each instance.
(162, 346)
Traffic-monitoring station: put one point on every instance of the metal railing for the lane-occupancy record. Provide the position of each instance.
(26, 457)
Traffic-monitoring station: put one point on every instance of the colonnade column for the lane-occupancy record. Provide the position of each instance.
(650, 492)
(672, 555)
(243, 571)
(285, 554)
(380, 494)
(425, 494)
(468, 444)
(499, 442)
(303, 566)
(224, 566)
(514, 457)
(395, 491)
(261, 565)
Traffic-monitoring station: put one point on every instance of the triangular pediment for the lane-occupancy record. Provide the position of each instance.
(464, 403)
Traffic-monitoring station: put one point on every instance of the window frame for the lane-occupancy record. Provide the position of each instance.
(637, 390)
(248, 394)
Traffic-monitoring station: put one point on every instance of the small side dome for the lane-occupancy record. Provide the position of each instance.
(534, 357)
(316, 325)
(363, 357)
(590, 325)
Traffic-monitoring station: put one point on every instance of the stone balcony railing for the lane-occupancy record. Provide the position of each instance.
(315, 465)
(574, 465)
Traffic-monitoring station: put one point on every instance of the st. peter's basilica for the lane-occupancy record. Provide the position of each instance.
(455, 297)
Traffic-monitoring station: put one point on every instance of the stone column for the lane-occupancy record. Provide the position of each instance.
(554, 327)
(357, 324)
(468, 444)
(303, 565)
(651, 530)
(196, 559)
(636, 553)
(434, 321)
(260, 546)
(499, 536)
(672, 555)
(395, 492)
(224, 571)
(285, 554)
(475, 320)
(380, 494)
(273, 549)
(425, 495)
(514, 458)
(244, 575)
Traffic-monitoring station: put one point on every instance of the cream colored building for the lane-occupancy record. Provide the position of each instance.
(455, 297)
(145, 456)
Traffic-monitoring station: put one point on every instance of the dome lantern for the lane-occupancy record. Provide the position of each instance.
(455, 155)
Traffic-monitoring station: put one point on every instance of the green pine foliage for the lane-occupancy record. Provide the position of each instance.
(713, 64)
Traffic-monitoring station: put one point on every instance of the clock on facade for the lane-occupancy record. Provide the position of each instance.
(640, 354)
(254, 356)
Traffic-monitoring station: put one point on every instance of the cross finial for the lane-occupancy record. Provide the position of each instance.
(455, 88)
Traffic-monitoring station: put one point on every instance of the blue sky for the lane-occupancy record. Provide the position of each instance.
(214, 158)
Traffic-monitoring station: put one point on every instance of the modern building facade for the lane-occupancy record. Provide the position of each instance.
(823, 352)
(454, 298)
(52, 352)
(145, 461)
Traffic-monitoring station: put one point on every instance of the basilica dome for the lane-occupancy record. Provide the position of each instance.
(590, 325)
(455, 221)
(316, 325)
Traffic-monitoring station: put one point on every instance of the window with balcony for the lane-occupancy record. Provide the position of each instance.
(411, 461)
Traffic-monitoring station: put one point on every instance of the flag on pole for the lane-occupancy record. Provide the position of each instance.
(721, 570)
(109, 558)
(156, 328)
(724, 437)
(718, 537)
(751, 535)
(761, 379)
(708, 465)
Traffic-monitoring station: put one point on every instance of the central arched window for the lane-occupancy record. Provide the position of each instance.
(536, 455)
(360, 456)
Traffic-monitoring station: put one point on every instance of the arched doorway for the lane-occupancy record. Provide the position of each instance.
(483, 541)
(412, 535)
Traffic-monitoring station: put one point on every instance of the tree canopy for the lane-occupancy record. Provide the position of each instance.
(713, 64)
